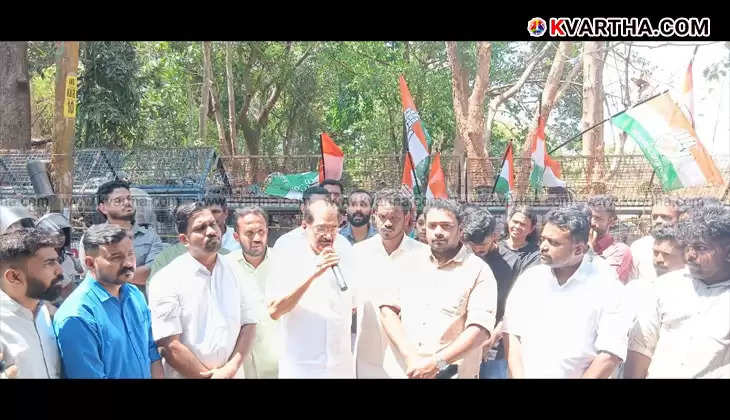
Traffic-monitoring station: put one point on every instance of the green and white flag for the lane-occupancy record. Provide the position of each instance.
(290, 186)
(669, 143)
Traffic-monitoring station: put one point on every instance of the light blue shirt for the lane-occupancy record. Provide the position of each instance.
(347, 232)
(100, 336)
(228, 242)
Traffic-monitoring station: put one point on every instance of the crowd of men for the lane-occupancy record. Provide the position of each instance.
(368, 286)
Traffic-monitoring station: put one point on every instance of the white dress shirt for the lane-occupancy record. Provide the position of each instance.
(205, 308)
(315, 335)
(380, 272)
(27, 340)
(685, 330)
(642, 253)
(562, 328)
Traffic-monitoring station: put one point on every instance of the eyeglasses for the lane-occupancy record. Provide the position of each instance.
(321, 230)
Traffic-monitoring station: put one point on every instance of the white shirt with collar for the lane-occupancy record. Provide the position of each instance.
(27, 340)
(204, 307)
(380, 272)
(296, 236)
(315, 335)
(563, 328)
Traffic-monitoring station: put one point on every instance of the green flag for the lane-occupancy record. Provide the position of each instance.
(290, 186)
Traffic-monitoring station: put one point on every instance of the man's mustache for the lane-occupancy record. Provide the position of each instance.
(126, 270)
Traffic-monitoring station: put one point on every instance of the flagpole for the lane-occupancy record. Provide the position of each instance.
(410, 158)
(496, 179)
(321, 152)
(651, 181)
(691, 63)
(612, 116)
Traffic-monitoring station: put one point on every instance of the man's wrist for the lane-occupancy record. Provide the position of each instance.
(441, 364)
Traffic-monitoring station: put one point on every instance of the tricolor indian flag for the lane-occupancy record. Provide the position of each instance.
(506, 180)
(545, 171)
(668, 141)
(417, 140)
(436, 180)
(330, 165)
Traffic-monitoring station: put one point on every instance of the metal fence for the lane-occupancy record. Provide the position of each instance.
(171, 176)
(627, 177)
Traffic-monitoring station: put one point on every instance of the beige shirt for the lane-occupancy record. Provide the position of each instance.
(438, 301)
(27, 340)
(380, 272)
(686, 328)
(263, 361)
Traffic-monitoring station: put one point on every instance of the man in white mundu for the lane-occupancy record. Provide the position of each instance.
(315, 314)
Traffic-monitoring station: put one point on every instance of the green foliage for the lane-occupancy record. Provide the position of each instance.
(42, 97)
(108, 96)
(147, 94)
(169, 93)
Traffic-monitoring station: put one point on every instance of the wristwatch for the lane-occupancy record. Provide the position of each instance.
(440, 363)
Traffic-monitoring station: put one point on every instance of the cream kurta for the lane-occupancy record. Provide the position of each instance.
(263, 361)
(374, 354)
(685, 330)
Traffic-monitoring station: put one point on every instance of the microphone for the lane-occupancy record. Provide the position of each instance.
(339, 277)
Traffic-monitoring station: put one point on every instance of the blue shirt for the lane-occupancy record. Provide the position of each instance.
(101, 336)
(347, 232)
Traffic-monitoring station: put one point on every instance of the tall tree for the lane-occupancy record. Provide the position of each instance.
(593, 100)
(205, 91)
(14, 96)
(473, 130)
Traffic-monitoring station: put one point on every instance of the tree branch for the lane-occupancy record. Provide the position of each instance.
(568, 80)
(521, 81)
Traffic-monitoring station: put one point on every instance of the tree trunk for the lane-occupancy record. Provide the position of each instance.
(550, 95)
(67, 63)
(204, 92)
(231, 100)
(469, 114)
(593, 146)
(14, 96)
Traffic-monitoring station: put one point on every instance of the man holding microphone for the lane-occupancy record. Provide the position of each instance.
(310, 292)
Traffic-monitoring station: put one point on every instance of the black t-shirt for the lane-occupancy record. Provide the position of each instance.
(507, 264)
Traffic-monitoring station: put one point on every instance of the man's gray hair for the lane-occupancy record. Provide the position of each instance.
(104, 234)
